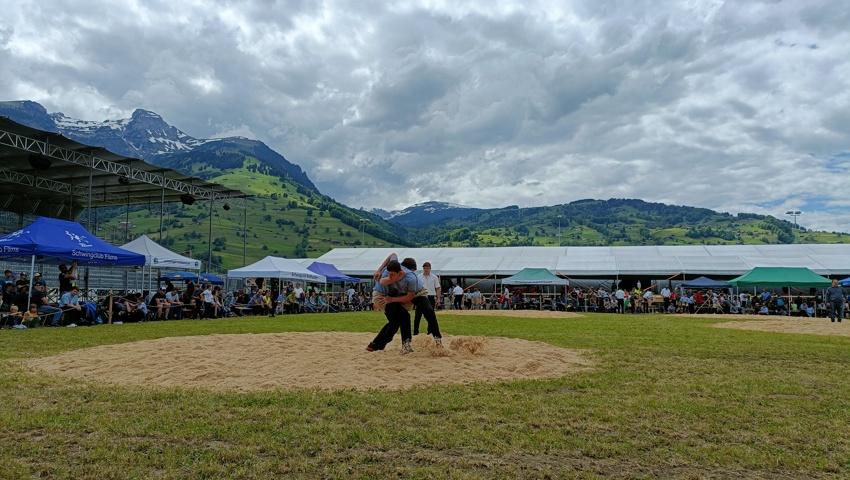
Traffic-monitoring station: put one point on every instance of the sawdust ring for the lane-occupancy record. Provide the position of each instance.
(313, 360)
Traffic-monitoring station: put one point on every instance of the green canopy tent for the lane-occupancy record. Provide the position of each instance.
(535, 276)
(781, 277)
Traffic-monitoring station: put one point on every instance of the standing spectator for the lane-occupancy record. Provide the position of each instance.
(457, 292)
(67, 277)
(620, 295)
(665, 294)
(835, 297)
(209, 302)
(648, 297)
(300, 296)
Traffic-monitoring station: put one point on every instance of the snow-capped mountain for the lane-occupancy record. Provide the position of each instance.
(147, 136)
(427, 213)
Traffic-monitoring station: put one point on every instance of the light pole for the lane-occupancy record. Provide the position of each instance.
(363, 223)
(559, 229)
(795, 214)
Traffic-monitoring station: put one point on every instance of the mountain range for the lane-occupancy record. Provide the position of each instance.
(145, 135)
(286, 200)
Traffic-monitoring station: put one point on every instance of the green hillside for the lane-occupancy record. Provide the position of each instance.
(618, 222)
(283, 219)
(289, 220)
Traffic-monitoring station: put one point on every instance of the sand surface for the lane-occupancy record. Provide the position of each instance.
(315, 360)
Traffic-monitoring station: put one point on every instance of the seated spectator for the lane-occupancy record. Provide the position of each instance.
(70, 304)
(671, 308)
(310, 305)
(8, 296)
(159, 304)
(222, 308)
(14, 319)
(31, 318)
(257, 304)
(175, 304)
(291, 304)
(322, 303)
(335, 303)
(39, 297)
(763, 310)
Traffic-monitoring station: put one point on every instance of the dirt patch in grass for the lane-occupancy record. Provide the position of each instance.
(513, 313)
(314, 360)
(814, 326)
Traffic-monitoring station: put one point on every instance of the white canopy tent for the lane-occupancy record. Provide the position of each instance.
(160, 257)
(277, 267)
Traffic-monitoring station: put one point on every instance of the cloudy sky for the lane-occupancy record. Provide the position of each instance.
(737, 106)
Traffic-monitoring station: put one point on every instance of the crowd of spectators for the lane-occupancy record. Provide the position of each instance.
(22, 308)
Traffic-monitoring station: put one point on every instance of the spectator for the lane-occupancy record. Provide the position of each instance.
(39, 297)
(8, 296)
(70, 303)
(175, 304)
(209, 302)
(31, 317)
(835, 297)
(159, 304)
(8, 278)
(457, 299)
(300, 296)
(67, 277)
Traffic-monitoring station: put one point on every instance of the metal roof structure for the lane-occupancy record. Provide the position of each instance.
(605, 262)
(46, 174)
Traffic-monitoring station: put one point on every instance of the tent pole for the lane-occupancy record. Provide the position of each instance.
(161, 209)
(32, 271)
(209, 245)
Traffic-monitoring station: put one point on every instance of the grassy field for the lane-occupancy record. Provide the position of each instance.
(669, 398)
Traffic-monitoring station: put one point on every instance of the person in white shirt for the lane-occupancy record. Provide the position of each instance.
(458, 297)
(431, 283)
(620, 295)
(300, 297)
(665, 294)
(209, 302)
(648, 297)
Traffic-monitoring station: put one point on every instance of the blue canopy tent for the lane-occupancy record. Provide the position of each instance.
(331, 273)
(211, 278)
(180, 276)
(705, 283)
(56, 241)
(845, 282)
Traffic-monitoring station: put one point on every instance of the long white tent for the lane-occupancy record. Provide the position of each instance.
(604, 262)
